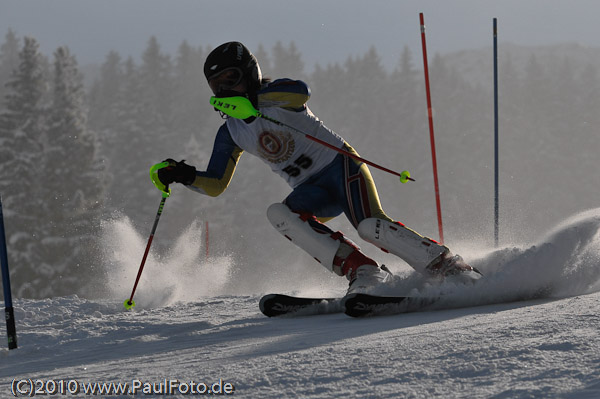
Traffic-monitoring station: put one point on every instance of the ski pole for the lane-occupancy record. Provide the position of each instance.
(241, 108)
(166, 192)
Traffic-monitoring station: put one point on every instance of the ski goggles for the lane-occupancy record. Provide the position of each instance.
(227, 79)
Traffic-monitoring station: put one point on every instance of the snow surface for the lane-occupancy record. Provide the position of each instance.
(533, 332)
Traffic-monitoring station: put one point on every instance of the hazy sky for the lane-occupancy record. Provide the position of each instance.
(324, 31)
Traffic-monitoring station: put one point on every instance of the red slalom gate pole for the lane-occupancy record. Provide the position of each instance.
(431, 135)
(206, 238)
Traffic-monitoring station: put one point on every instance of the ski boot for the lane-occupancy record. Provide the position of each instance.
(454, 267)
(362, 272)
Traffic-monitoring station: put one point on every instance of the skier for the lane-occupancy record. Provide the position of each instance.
(324, 183)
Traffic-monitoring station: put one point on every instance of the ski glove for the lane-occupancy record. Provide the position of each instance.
(178, 172)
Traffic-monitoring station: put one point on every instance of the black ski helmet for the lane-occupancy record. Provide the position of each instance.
(234, 55)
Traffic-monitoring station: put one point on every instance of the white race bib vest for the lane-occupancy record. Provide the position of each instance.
(288, 153)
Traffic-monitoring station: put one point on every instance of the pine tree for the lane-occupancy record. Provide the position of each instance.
(155, 116)
(406, 104)
(325, 84)
(9, 60)
(264, 61)
(287, 62)
(21, 174)
(403, 93)
(365, 78)
(589, 85)
(190, 93)
(123, 141)
(73, 183)
(156, 94)
(534, 88)
(103, 93)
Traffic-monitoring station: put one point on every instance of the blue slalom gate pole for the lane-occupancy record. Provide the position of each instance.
(8, 307)
(496, 162)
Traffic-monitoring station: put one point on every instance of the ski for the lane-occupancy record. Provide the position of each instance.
(273, 305)
(354, 305)
(361, 305)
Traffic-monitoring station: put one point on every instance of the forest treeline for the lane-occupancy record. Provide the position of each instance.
(75, 155)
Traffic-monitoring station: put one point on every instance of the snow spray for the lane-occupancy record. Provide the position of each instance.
(561, 264)
(176, 272)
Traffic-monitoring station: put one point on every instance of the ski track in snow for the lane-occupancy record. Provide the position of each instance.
(534, 333)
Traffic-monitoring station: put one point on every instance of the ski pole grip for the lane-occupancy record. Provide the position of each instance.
(166, 191)
(237, 107)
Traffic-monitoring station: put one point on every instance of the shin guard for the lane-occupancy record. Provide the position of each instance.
(416, 250)
(320, 245)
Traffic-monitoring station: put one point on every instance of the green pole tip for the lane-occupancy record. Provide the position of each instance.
(129, 304)
(237, 107)
(405, 176)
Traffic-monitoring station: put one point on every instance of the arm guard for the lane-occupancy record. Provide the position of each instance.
(225, 155)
